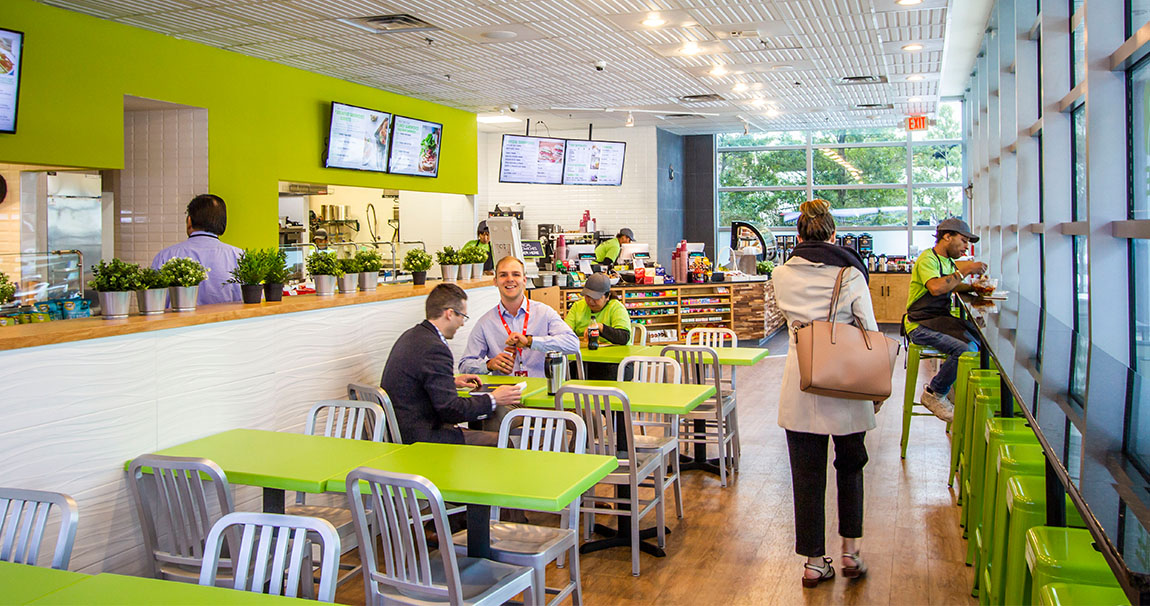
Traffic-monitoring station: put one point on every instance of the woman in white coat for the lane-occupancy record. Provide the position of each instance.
(803, 288)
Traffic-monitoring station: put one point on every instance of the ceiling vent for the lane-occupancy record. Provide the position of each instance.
(700, 98)
(872, 106)
(852, 80)
(399, 23)
(678, 116)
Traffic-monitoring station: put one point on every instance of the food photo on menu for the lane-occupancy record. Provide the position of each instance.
(415, 147)
(11, 47)
(358, 138)
(551, 151)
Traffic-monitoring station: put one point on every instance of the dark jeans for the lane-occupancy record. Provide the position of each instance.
(809, 482)
(952, 347)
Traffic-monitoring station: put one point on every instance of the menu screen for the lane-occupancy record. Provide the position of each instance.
(11, 49)
(358, 138)
(531, 160)
(594, 163)
(415, 147)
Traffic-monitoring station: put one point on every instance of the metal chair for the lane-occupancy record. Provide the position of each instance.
(580, 370)
(658, 369)
(721, 337)
(531, 545)
(278, 560)
(189, 495)
(412, 572)
(638, 334)
(611, 433)
(23, 520)
(372, 393)
(711, 422)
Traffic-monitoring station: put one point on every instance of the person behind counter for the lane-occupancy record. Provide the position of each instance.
(598, 309)
(206, 221)
(482, 239)
(608, 251)
(928, 321)
(423, 389)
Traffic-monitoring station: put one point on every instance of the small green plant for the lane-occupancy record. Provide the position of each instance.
(324, 264)
(369, 260)
(765, 267)
(116, 276)
(277, 269)
(473, 254)
(7, 289)
(183, 271)
(416, 259)
(152, 278)
(350, 265)
(447, 256)
(251, 267)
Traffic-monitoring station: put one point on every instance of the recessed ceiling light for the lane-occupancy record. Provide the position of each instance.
(772, 113)
(757, 101)
(915, 100)
(912, 47)
(653, 20)
(914, 78)
(782, 67)
(499, 34)
(689, 48)
(718, 71)
(740, 87)
(630, 120)
(907, 2)
(496, 119)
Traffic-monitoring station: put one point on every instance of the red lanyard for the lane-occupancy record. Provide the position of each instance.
(526, 317)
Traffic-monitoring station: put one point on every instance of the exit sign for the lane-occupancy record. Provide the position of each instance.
(916, 123)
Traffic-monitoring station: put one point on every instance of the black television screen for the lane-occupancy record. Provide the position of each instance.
(358, 138)
(11, 53)
(524, 159)
(415, 147)
(594, 162)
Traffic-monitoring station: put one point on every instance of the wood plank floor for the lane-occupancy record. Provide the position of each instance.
(736, 545)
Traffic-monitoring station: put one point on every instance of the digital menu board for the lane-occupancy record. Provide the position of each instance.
(531, 160)
(594, 162)
(414, 147)
(11, 51)
(358, 138)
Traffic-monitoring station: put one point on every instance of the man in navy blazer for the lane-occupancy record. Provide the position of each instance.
(423, 388)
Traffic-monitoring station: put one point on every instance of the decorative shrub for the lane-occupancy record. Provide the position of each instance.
(116, 276)
(7, 289)
(152, 278)
(324, 264)
(350, 265)
(447, 256)
(416, 259)
(277, 269)
(369, 260)
(765, 268)
(251, 267)
(182, 271)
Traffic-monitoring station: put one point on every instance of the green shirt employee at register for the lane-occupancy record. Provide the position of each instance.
(598, 307)
(482, 240)
(608, 251)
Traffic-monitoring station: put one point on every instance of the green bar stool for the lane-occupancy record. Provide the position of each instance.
(967, 363)
(997, 431)
(979, 378)
(1073, 594)
(986, 402)
(914, 353)
(1025, 509)
(1010, 460)
(1065, 555)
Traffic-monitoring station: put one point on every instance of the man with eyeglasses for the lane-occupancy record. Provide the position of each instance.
(423, 388)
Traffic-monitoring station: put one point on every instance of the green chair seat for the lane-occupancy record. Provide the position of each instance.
(1066, 555)
(1074, 594)
(1025, 509)
(1010, 460)
(967, 366)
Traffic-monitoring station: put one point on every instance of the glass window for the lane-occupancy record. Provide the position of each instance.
(859, 165)
(1081, 319)
(1078, 157)
(1138, 14)
(1140, 269)
(867, 135)
(758, 207)
(1078, 54)
(862, 207)
(947, 123)
(937, 163)
(1139, 86)
(933, 204)
(1138, 429)
(763, 168)
(761, 139)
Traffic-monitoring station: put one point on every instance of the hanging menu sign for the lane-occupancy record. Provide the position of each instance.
(531, 160)
(11, 49)
(358, 138)
(415, 147)
(594, 163)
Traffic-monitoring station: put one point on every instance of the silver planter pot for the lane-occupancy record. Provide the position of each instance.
(348, 283)
(449, 272)
(465, 271)
(152, 301)
(476, 271)
(184, 297)
(324, 285)
(114, 305)
(368, 280)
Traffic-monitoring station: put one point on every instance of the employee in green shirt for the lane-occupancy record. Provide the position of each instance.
(598, 309)
(608, 251)
(482, 239)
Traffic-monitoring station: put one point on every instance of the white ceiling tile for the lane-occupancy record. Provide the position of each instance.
(574, 26)
(475, 16)
(348, 9)
(184, 21)
(268, 12)
(253, 34)
(95, 8)
(549, 10)
(286, 48)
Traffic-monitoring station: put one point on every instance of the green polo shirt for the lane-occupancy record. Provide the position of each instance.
(475, 243)
(927, 267)
(609, 249)
(613, 314)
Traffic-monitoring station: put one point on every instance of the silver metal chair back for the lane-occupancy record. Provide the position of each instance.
(651, 369)
(545, 430)
(273, 555)
(712, 337)
(24, 519)
(580, 371)
(372, 393)
(188, 494)
(638, 334)
(700, 365)
(593, 405)
(346, 419)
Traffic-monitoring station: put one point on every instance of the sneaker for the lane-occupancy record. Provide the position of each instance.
(939, 406)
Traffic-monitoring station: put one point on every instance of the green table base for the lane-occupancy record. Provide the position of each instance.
(22, 583)
(665, 398)
(119, 590)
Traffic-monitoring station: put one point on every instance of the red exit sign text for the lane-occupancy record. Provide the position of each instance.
(916, 123)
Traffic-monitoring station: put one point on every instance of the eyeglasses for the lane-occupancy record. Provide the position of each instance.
(465, 316)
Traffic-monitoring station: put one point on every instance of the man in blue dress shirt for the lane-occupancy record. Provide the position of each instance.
(206, 222)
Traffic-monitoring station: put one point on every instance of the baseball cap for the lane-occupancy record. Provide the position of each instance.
(956, 225)
(482, 228)
(626, 231)
(597, 285)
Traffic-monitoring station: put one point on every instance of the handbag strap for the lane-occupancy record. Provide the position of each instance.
(834, 311)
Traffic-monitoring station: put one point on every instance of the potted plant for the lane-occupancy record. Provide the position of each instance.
(478, 259)
(249, 272)
(324, 268)
(370, 262)
(184, 276)
(448, 261)
(764, 268)
(153, 294)
(349, 281)
(276, 274)
(7, 290)
(466, 258)
(417, 261)
(115, 281)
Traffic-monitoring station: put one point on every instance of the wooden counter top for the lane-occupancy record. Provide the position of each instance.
(64, 331)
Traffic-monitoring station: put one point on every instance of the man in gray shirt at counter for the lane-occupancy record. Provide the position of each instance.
(206, 222)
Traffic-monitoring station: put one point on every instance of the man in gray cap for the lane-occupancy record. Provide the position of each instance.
(928, 321)
(608, 251)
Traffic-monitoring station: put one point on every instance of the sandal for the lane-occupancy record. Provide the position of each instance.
(856, 571)
(826, 571)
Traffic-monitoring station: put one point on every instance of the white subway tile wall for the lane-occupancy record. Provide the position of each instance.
(165, 166)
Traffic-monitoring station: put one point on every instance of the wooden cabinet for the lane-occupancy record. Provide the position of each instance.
(888, 294)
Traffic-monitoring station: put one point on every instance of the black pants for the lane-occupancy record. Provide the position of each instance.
(809, 481)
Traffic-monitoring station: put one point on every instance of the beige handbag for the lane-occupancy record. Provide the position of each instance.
(844, 361)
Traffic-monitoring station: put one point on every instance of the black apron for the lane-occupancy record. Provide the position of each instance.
(933, 312)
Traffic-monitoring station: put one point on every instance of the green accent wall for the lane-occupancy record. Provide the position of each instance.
(266, 122)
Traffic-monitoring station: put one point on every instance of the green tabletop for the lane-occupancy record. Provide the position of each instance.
(534, 384)
(614, 354)
(287, 461)
(22, 583)
(504, 477)
(665, 398)
(737, 356)
(115, 589)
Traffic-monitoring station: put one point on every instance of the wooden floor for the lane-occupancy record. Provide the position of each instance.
(736, 545)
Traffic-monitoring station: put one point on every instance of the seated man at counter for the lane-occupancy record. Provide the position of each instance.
(482, 240)
(608, 252)
(207, 219)
(928, 321)
(419, 379)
